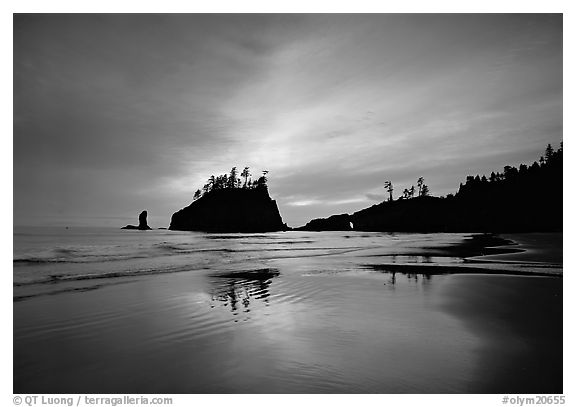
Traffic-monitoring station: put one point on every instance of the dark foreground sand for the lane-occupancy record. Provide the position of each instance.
(519, 320)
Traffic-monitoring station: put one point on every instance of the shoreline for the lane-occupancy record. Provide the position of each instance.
(491, 254)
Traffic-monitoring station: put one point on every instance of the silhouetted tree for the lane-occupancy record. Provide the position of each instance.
(548, 153)
(246, 174)
(409, 192)
(420, 183)
(197, 194)
(510, 172)
(523, 169)
(390, 188)
(220, 182)
(261, 182)
(232, 178)
(425, 190)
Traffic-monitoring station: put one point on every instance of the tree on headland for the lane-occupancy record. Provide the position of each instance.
(390, 188)
(232, 178)
(246, 174)
(425, 190)
(409, 192)
(197, 194)
(549, 153)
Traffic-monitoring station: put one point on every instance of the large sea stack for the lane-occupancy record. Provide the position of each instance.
(230, 210)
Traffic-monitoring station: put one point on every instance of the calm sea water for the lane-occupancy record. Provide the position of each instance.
(107, 310)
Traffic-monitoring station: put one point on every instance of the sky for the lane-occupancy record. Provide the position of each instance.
(114, 114)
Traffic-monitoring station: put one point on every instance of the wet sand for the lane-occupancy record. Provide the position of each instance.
(519, 319)
(297, 327)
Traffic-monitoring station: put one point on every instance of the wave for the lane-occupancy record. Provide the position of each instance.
(163, 251)
(23, 297)
(258, 274)
(60, 278)
(290, 253)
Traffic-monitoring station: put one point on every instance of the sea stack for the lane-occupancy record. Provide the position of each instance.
(142, 222)
(231, 210)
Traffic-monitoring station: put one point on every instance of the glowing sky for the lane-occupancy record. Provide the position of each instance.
(114, 114)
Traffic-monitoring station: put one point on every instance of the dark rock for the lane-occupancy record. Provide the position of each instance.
(334, 222)
(230, 210)
(142, 223)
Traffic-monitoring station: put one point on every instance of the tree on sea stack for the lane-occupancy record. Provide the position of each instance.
(420, 183)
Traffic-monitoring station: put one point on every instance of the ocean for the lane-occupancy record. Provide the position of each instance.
(110, 310)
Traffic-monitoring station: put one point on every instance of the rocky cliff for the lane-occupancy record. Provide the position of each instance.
(230, 210)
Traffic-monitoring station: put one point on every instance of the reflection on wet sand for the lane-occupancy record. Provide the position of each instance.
(425, 278)
(238, 288)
